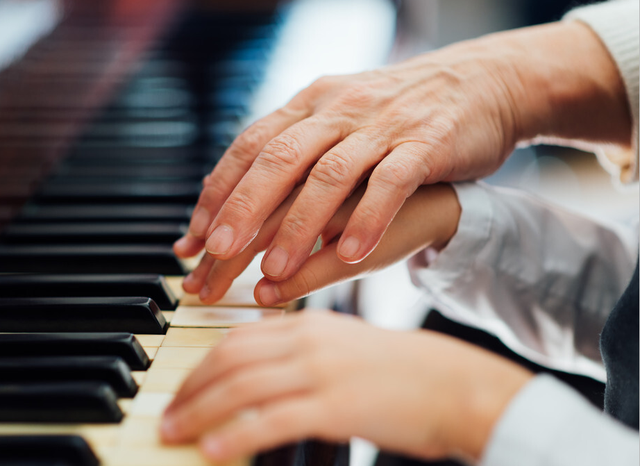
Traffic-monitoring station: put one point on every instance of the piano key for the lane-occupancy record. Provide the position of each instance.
(164, 380)
(111, 370)
(182, 192)
(173, 133)
(103, 314)
(46, 450)
(90, 259)
(122, 345)
(187, 337)
(119, 180)
(94, 233)
(88, 402)
(179, 357)
(221, 317)
(59, 285)
(106, 212)
(108, 155)
(187, 170)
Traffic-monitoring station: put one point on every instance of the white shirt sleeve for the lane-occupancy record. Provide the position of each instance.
(540, 278)
(549, 424)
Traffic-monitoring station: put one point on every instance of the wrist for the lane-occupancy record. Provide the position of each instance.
(563, 86)
(491, 383)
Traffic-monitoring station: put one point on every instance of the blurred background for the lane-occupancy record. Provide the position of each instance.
(293, 43)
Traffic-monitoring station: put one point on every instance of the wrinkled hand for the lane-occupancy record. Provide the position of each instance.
(428, 218)
(440, 116)
(448, 115)
(332, 377)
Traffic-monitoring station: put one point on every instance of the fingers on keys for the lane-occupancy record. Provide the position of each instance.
(394, 180)
(212, 278)
(281, 165)
(217, 403)
(330, 182)
(229, 171)
(278, 423)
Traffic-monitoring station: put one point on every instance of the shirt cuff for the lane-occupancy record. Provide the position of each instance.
(436, 271)
(549, 424)
(616, 23)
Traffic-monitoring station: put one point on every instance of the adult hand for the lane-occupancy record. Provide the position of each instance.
(428, 218)
(334, 377)
(448, 115)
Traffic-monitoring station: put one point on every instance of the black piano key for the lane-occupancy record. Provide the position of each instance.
(46, 450)
(149, 133)
(184, 192)
(108, 153)
(122, 345)
(94, 233)
(110, 156)
(90, 259)
(101, 314)
(152, 286)
(86, 402)
(106, 212)
(187, 170)
(111, 370)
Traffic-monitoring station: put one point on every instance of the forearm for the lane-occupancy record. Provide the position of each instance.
(564, 84)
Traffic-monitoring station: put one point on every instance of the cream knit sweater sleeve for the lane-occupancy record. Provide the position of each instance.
(617, 23)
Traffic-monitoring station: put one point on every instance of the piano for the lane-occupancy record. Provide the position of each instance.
(109, 119)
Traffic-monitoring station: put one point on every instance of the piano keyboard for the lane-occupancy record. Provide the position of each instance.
(96, 334)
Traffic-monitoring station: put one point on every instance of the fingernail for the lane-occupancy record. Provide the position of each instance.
(200, 221)
(182, 243)
(168, 429)
(349, 247)
(212, 447)
(275, 262)
(269, 294)
(205, 292)
(220, 240)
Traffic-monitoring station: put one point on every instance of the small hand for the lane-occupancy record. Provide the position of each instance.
(332, 377)
(428, 218)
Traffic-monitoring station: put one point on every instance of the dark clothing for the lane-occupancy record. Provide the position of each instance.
(619, 348)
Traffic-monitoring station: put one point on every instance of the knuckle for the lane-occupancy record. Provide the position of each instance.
(359, 94)
(284, 152)
(241, 387)
(445, 130)
(332, 170)
(447, 76)
(323, 83)
(396, 176)
(371, 220)
(211, 192)
(250, 142)
(298, 228)
(304, 283)
(241, 205)
(280, 421)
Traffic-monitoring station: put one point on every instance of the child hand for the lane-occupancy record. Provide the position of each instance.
(327, 376)
(428, 218)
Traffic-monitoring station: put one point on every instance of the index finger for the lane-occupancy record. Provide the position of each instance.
(233, 165)
(275, 173)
